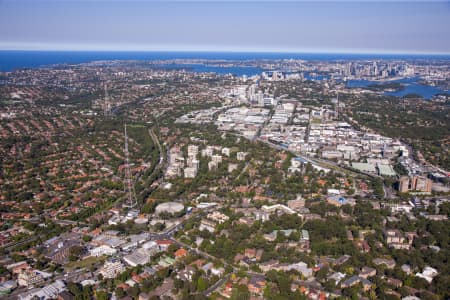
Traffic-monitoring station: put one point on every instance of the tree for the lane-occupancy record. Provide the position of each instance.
(281, 238)
(294, 236)
(133, 291)
(101, 295)
(330, 285)
(87, 292)
(76, 250)
(202, 284)
(444, 208)
(172, 248)
(240, 292)
(442, 284)
(178, 284)
(74, 288)
(322, 273)
(87, 238)
(347, 209)
(352, 292)
(120, 293)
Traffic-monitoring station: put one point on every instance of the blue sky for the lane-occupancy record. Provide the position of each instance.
(290, 26)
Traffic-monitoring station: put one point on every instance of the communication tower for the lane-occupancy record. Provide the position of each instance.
(130, 193)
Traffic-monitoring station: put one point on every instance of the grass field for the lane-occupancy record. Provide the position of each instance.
(85, 263)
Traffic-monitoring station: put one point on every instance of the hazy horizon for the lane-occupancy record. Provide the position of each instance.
(106, 50)
(355, 27)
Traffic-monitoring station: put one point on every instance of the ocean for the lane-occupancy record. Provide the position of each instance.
(12, 60)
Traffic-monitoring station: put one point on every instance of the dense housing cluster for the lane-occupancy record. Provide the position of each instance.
(289, 184)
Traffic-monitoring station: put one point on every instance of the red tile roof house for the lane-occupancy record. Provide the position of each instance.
(389, 263)
(367, 285)
(367, 272)
(363, 246)
(164, 244)
(250, 253)
(123, 286)
(259, 254)
(256, 285)
(394, 282)
(180, 253)
(199, 263)
(238, 258)
(20, 267)
(227, 290)
(137, 278)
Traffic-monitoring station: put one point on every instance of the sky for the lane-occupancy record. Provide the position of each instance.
(267, 26)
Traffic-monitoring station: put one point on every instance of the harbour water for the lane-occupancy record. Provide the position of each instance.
(13, 60)
(410, 86)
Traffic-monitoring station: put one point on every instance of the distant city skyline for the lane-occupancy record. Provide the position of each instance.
(385, 27)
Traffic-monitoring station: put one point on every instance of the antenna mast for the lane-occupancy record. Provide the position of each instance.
(337, 106)
(107, 104)
(129, 186)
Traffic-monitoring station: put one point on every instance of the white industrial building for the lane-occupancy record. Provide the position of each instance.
(169, 207)
(103, 250)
